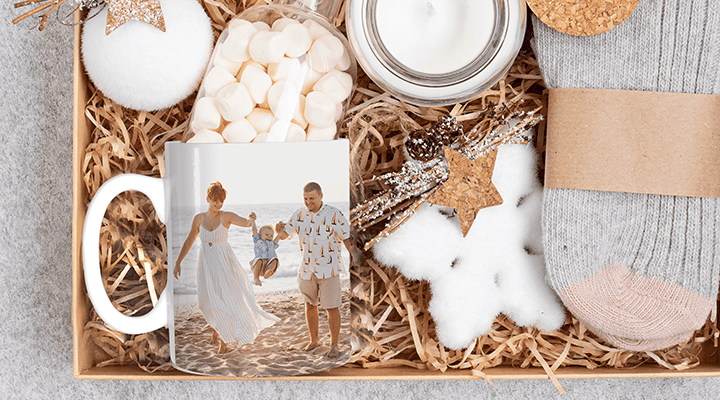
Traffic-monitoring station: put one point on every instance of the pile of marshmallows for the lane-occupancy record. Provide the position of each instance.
(279, 83)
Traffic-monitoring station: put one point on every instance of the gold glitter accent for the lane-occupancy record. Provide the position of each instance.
(122, 11)
(469, 186)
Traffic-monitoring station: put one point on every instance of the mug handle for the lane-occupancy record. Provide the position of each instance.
(154, 189)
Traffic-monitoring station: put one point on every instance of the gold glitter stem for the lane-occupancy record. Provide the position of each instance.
(36, 10)
(28, 2)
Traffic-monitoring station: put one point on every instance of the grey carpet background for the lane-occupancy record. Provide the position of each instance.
(35, 262)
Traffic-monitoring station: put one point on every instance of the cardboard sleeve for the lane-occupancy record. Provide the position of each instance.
(632, 141)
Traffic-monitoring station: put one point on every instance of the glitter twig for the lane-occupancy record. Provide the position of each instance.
(426, 170)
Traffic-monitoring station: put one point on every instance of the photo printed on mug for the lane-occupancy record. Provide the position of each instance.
(259, 255)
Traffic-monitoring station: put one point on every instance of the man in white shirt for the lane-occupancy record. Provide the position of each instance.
(320, 229)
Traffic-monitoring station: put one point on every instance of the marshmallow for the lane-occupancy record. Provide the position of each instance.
(235, 22)
(261, 119)
(345, 61)
(335, 84)
(240, 131)
(281, 23)
(325, 53)
(311, 78)
(339, 109)
(283, 98)
(264, 105)
(268, 47)
(261, 26)
(247, 64)
(257, 82)
(295, 133)
(286, 131)
(299, 117)
(319, 109)
(261, 137)
(206, 136)
(288, 69)
(237, 43)
(316, 30)
(216, 79)
(218, 59)
(205, 115)
(234, 102)
(299, 39)
(315, 133)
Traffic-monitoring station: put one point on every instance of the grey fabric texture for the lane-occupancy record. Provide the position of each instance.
(665, 46)
(36, 352)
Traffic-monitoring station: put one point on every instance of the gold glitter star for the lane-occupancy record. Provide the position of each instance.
(469, 186)
(122, 11)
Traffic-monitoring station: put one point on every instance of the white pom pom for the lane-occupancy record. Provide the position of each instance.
(144, 68)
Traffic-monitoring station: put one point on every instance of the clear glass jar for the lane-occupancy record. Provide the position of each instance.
(435, 52)
(278, 72)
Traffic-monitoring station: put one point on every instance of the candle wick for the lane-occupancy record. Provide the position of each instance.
(431, 8)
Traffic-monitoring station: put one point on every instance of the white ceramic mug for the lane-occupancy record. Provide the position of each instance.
(246, 171)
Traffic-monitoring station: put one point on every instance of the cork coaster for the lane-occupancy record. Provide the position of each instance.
(583, 17)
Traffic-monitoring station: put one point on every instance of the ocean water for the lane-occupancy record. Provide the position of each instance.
(240, 240)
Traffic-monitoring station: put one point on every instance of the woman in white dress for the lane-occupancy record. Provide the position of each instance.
(225, 294)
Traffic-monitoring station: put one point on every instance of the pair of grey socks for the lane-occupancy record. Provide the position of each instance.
(640, 270)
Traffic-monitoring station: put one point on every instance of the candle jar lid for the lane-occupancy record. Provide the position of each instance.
(435, 52)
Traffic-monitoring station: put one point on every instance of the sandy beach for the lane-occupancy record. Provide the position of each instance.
(276, 351)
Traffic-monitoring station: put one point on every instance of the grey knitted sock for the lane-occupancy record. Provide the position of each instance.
(638, 269)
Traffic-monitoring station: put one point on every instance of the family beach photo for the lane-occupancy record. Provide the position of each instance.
(260, 259)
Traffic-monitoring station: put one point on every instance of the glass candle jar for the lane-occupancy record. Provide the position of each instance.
(278, 72)
(435, 52)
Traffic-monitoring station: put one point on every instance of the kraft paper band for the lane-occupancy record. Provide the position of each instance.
(632, 141)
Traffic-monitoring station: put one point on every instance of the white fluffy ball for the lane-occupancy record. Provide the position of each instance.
(143, 68)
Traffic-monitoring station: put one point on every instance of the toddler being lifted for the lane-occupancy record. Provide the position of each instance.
(265, 262)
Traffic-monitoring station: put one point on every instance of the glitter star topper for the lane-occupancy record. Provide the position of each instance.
(469, 186)
(452, 167)
(122, 11)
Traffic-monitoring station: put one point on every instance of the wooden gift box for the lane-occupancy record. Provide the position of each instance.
(86, 355)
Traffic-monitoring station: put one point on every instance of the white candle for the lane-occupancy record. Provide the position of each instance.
(435, 52)
(435, 36)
